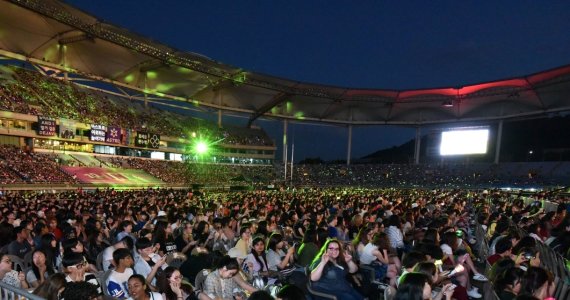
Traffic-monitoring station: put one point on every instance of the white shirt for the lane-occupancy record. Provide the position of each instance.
(396, 238)
(367, 257)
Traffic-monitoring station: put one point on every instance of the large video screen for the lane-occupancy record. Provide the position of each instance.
(464, 141)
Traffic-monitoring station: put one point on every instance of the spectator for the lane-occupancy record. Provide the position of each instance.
(41, 269)
(119, 277)
(329, 270)
(509, 283)
(290, 292)
(171, 285)
(148, 263)
(222, 282)
(277, 259)
(538, 282)
(125, 243)
(75, 266)
(9, 276)
(20, 246)
(52, 287)
(80, 290)
(308, 249)
(140, 290)
(415, 286)
(503, 249)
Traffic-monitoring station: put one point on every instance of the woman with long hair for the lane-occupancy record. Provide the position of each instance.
(330, 269)
(140, 290)
(257, 260)
(362, 239)
(453, 256)
(41, 269)
(308, 248)
(277, 259)
(163, 236)
(509, 284)
(202, 232)
(52, 287)
(539, 283)
(415, 286)
(50, 246)
(170, 284)
(95, 243)
(375, 253)
(429, 269)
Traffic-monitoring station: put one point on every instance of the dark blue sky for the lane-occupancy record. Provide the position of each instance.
(372, 44)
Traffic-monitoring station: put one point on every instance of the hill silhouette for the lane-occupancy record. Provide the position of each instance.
(548, 139)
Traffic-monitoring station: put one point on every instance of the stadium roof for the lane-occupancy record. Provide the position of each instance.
(55, 35)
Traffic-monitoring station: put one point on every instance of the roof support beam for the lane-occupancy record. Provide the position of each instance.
(276, 100)
(220, 84)
(74, 39)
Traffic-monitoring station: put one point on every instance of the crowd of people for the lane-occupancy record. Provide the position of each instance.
(29, 92)
(20, 166)
(428, 175)
(181, 244)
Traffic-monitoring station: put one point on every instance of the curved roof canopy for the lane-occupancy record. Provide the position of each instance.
(55, 35)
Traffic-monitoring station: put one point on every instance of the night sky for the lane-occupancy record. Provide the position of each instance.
(363, 44)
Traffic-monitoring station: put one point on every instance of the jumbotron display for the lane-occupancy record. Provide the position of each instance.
(464, 141)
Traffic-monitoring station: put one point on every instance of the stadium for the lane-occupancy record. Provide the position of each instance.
(108, 180)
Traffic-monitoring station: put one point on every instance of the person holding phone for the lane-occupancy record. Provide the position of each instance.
(9, 276)
(329, 270)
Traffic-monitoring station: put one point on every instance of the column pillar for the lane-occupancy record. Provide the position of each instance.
(285, 148)
(349, 145)
(499, 140)
(418, 146)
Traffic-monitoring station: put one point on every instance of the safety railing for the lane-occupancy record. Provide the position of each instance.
(8, 292)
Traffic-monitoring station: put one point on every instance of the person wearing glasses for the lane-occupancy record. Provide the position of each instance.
(330, 269)
(75, 267)
(9, 276)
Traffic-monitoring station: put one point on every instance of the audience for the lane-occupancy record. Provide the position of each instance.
(441, 228)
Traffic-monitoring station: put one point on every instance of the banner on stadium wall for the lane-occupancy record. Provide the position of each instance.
(98, 133)
(46, 126)
(66, 129)
(108, 176)
(113, 135)
(147, 140)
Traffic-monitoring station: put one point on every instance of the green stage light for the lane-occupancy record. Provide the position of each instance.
(201, 147)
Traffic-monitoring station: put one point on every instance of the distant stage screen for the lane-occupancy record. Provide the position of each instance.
(464, 141)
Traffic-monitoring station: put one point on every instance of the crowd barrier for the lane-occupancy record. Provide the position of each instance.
(8, 292)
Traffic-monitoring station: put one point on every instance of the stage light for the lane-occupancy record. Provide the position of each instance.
(201, 147)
